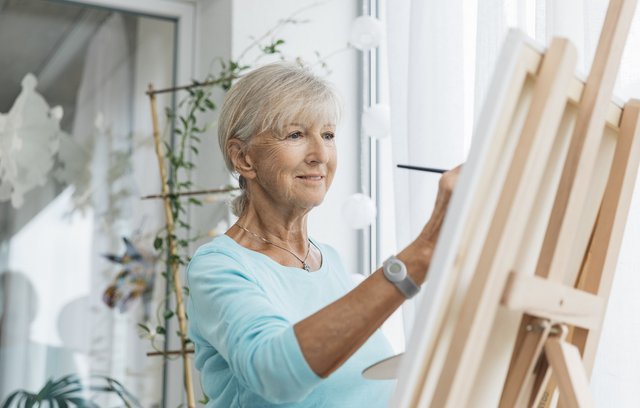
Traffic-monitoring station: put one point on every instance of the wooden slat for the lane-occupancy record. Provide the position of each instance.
(568, 370)
(597, 187)
(576, 87)
(519, 384)
(553, 301)
(517, 197)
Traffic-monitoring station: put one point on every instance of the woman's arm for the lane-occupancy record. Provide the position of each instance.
(330, 336)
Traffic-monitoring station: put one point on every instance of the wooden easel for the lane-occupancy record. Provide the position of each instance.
(533, 260)
(564, 295)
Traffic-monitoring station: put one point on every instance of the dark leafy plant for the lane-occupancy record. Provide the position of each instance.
(70, 391)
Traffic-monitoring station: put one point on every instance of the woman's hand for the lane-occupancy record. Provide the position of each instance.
(447, 184)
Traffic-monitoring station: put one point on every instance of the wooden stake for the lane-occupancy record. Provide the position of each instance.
(173, 253)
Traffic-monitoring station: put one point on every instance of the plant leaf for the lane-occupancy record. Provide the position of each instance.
(62, 402)
(11, 397)
(82, 402)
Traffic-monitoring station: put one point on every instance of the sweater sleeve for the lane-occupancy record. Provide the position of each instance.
(232, 313)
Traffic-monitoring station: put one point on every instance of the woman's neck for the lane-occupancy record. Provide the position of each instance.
(277, 226)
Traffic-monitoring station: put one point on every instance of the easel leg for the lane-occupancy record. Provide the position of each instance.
(518, 388)
(569, 371)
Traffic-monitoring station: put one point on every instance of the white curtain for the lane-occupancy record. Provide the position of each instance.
(436, 85)
(426, 58)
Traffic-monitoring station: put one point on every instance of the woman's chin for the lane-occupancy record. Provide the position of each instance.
(310, 202)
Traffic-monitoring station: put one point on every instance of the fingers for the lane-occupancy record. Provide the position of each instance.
(449, 179)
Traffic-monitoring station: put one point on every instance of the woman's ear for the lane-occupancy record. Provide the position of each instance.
(237, 150)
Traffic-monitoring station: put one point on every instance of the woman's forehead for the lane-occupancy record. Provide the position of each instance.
(307, 117)
(310, 123)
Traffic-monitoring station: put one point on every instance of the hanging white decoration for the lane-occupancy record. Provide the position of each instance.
(359, 211)
(376, 121)
(75, 170)
(29, 140)
(366, 33)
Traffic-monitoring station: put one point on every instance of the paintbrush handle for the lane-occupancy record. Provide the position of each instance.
(429, 169)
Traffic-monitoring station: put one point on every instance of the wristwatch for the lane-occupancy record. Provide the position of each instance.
(396, 272)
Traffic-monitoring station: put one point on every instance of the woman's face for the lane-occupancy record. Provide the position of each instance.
(295, 167)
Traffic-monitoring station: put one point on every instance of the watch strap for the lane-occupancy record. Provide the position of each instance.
(408, 287)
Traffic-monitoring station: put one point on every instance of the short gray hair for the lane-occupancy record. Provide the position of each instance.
(267, 99)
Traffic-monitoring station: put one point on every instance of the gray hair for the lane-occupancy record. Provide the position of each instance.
(267, 99)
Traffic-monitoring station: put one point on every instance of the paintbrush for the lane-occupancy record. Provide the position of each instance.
(429, 169)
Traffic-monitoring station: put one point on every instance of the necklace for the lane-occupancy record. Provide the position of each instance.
(305, 266)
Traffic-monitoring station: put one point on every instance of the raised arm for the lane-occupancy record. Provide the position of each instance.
(330, 336)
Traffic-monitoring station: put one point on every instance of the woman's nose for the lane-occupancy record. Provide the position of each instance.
(318, 150)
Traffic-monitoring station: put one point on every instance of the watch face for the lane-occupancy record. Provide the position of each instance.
(395, 271)
(395, 268)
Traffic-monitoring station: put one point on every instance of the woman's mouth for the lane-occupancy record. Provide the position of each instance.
(311, 178)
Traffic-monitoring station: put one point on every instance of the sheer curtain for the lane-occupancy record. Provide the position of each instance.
(441, 56)
(427, 62)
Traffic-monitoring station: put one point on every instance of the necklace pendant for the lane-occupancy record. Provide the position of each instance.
(306, 267)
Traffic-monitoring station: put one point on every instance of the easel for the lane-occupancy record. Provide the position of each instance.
(530, 264)
(569, 298)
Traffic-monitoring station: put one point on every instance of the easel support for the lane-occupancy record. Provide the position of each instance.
(569, 371)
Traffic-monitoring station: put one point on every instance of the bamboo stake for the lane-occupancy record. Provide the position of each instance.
(152, 92)
(191, 193)
(175, 273)
(167, 353)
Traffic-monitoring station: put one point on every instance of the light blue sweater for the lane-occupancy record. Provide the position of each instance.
(242, 308)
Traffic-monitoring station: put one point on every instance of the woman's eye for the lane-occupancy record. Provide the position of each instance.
(328, 136)
(295, 135)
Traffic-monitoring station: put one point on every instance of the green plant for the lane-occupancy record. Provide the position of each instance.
(70, 391)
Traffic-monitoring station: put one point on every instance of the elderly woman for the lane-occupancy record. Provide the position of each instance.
(274, 316)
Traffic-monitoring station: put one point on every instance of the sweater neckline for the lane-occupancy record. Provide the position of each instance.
(260, 255)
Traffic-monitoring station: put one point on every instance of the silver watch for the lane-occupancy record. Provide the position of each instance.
(396, 272)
